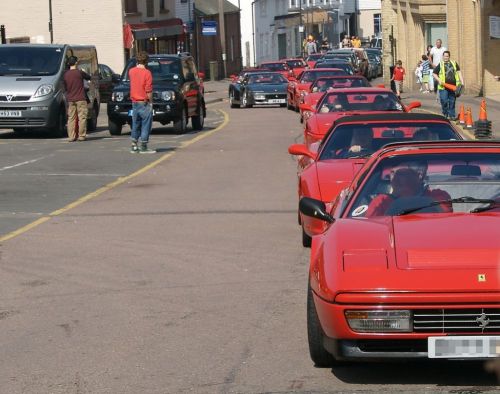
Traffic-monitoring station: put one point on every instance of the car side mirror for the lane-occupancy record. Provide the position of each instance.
(301, 150)
(201, 75)
(291, 78)
(412, 105)
(315, 209)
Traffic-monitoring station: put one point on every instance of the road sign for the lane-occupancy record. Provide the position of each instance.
(209, 28)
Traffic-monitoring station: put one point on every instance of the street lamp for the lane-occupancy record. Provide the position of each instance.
(50, 23)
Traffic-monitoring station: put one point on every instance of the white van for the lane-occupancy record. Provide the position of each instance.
(32, 89)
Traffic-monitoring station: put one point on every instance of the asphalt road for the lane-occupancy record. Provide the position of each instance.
(187, 277)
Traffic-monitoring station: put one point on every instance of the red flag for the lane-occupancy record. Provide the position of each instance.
(128, 37)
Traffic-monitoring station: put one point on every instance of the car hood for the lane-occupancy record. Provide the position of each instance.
(268, 87)
(335, 175)
(414, 253)
(320, 123)
(25, 85)
(124, 86)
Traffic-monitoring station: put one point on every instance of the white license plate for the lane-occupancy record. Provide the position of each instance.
(276, 101)
(464, 347)
(10, 114)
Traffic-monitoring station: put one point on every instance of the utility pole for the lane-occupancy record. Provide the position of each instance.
(222, 32)
(50, 23)
(2, 35)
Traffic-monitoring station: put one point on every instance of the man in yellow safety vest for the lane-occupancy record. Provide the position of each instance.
(448, 77)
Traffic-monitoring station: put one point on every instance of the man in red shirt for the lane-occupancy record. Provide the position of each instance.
(141, 94)
(398, 77)
(76, 99)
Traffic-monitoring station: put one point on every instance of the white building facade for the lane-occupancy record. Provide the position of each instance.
(369, 19)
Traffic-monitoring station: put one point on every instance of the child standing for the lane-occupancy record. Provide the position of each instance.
(425, 73)
(398, 77)
(418, 74)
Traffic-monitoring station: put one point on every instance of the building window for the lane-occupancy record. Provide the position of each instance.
(292, 3)
(377, 24)
(150, 8)
(263, 7)
(130, 6)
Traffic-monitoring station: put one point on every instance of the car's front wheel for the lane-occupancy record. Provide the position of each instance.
(315, 335)
(114, 127)
(245, 102)
(231, 101)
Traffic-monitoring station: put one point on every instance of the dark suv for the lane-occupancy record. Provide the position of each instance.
(177, 94)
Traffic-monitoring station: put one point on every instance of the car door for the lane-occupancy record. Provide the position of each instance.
(191, 86)
(105, 82)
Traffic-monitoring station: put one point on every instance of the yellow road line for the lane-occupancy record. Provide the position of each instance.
(113, 184)
(465, 131)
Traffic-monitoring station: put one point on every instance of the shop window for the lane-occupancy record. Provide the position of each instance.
(377, 23)
(150, 8)
(130, 6)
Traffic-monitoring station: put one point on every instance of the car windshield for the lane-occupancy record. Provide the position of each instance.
(359, 101)
(275, 66)
(341, 66)
(30, 61)
(162, 69)
(311, 76)
(295, 63)
(430, 183)
(361, 140)
(323, 84)
(267, 78)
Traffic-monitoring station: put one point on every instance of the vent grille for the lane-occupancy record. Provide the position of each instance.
(476, 320)
(15, 98)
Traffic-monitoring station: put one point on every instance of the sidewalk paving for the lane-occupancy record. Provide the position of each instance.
(216, 90)
(429, 103)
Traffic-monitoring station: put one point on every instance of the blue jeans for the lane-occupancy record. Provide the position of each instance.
(448, 99)
(142, 121)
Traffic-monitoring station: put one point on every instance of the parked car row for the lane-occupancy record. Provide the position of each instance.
(387, 199)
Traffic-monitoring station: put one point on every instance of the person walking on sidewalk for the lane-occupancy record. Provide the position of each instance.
(77, 100)
(425, 73)
(398, 77)
(447, 71)
(141, 94)
(436, 54)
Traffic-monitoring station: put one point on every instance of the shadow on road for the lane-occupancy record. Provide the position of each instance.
(435, 372)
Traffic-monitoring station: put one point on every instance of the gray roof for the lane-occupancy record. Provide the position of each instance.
(211, 7)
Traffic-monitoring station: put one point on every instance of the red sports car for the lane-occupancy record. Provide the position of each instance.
(302, 84)
(312, 59)
(296, 66)
(341, 102)
(323, 84)
(279, 66)
(421, 277)
(353, 139)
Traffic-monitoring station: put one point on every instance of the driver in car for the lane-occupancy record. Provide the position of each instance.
(361, 142)
(407, 182)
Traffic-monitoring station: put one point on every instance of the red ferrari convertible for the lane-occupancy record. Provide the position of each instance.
(416, 276)
(304, 81)
(341, 102)
(323, 174)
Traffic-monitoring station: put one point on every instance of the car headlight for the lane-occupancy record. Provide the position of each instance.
(117, 96)
(168, 95)
(44, 90)
(379, 320)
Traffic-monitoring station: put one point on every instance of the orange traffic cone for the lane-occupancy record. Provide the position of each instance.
(482, 111)
(468, 119)
(461, 115)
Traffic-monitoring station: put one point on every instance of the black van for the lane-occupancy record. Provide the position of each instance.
(177, 94)
(32, 88)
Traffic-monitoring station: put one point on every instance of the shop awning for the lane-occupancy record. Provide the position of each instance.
(158, 29)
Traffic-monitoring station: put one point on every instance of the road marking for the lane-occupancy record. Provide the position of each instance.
(23, 163)
(65, 174)
(115, 183)
(466, 132)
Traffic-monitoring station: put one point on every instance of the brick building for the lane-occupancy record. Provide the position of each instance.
(466, 27)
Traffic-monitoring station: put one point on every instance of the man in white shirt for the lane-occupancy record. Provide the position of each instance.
(436, 56)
